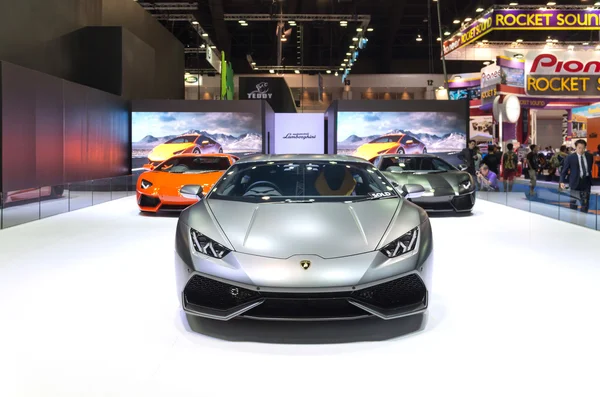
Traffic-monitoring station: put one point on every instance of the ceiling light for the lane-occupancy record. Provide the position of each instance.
(213, 46)
(328, 71)
(519, 40)
(542, 8)
(551, 3)
(513, 4)
(352, 46)
(343, 64)
(446, 33)
(341, 68)
(597, 4)
(484, 41)
(255, 68)
(419, 38)
(253, 63)
(204, 34)
(283, 38)
(244, 24)
(242, 21)
(479, 9)
(297, 71)
(348, 53)
(586, 43)
(369, 29)
(518, 56)
(486, 63)
(359, 29)
(456, 21)
(292, 22)
(336, 73)
(439, 39)
(468, 19)
(195, 23)
(355, 39)
(271, 71)
(345, 59)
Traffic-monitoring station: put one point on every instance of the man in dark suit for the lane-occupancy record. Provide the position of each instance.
(578, 169)
(468, 155)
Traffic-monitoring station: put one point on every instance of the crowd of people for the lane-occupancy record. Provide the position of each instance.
(569, 166)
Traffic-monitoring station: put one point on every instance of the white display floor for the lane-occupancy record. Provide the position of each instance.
(88, 308)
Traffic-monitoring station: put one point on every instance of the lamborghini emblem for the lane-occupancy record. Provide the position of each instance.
(305, 264)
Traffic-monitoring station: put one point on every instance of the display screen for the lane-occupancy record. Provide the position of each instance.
(157, 136)
(513, 77)
(369, 134)
(465, 93)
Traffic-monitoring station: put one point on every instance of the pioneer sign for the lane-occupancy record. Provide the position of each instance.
(564, 73)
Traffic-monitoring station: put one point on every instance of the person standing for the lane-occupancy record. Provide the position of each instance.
(509, 167)
(534, 166)
(491, 160)
(477, 158)
(469, 156)
(578, 169)
(557, 161)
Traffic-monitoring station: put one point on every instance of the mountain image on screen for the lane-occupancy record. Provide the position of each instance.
(447, 142)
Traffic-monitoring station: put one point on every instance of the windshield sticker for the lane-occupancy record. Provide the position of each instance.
(380, 194)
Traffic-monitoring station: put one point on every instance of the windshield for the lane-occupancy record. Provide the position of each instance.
(414, 164)
(194, 165)
(183, 139)
(302, 181)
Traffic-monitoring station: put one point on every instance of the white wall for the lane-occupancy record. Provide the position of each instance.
(549, 132)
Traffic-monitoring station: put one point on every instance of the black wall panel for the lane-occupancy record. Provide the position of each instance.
(56, 132)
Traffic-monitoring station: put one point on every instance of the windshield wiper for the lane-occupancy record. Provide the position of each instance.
(371, 198)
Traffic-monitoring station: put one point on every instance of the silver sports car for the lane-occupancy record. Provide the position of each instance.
(303, 237)
(447, 189)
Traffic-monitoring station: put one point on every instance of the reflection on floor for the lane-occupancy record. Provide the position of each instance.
(88, 307)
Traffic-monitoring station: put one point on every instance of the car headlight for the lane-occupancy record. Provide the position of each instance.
(145, 184)
(402, 245)
(465, 186)
(179, 151)
(206, 246)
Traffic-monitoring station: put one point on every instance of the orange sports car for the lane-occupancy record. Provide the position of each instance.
(391, 143)
(159, 189)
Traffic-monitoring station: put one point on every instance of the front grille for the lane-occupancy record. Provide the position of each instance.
(148, 201)
(170, 207)
(394, 294)
(464, 203)
(305, 309)
(206, 292)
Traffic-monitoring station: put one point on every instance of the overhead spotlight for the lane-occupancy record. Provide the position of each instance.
(551, 3)
(283, 38)
(486, 63)
(336, 73)
(213, 47)
(297, 71)
(352, 46)
(255, 68)
(328, 71)
(242, 21)
(293, 23)
(419, 38)
(195, 23)
(253, 64)
(479, 9)
(456, 21)
(343, 64)
(345, 59)
(513, 4)
(244, 24)
(597, 4)
(439, 39)
(370, 29)
(468, 19)
(271, 71)
(204, 34)
(341, 68)
(348, 53)
(586, 44)
(359, 29)
(446, 33)
(355, 39)
(519, 40)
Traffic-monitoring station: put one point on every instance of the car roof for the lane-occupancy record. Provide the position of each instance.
(260, 158)
(426, 155)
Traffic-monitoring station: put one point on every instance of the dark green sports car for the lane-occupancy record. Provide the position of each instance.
(447, 189)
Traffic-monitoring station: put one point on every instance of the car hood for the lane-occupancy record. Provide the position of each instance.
(282, 230)
(442, 183)
(162, 180)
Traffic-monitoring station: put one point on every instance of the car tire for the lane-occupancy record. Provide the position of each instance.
(196, 151)
(57, 191)
(400, 151)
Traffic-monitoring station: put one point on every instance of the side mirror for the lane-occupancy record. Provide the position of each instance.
(462, 167)
(411, 191)
(148, 167)
(192, 192)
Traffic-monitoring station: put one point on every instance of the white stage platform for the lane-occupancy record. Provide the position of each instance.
(88, 308)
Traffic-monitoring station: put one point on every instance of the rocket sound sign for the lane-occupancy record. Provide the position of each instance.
(567, 74)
